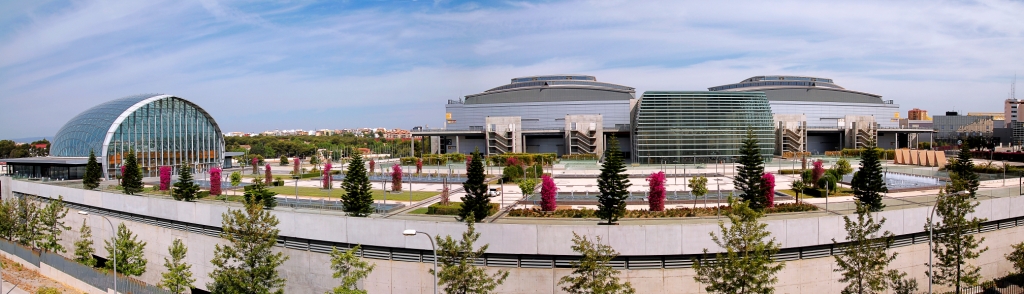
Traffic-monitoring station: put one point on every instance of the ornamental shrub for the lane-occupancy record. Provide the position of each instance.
(817, 172)
(396, 178)
(165, 178)
(512, 173)
(548, 191)
(373, 164)
(215, 181)
(769, 186)
(419, 166)
(266, 174)
(327, 175)
(656, 196)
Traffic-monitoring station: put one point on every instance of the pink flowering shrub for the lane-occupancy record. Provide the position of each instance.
(769, 185)
(327, 175)
(255, 162)
(165, 178)
(215, 181)
(656, 196)
(511, 161)
(295, 166)
(266, 175)
(817, 172)
(396, 178)
(548, 190)
(419, 166)
(372, 164)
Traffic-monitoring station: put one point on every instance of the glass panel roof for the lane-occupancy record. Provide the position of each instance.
(86, 131)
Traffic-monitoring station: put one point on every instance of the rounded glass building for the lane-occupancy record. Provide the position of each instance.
(163, 130)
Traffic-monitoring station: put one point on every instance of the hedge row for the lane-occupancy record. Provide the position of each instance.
(886, 153)
(579, 157)
(672, 212)
(442, 159)
(453, 209)
(522, 158)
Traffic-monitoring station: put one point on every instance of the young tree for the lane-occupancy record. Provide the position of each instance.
(843, 167)
(131, 177)
(315, 161)
(1016, 257)
(258, 193)
(130, 260)
(396, 178)
(476, 202)
(548, 194)
(961, 171)
(28, 223)
(178, 278)
(656, 195)
(527, 185)
(798, 187)
(247, 263)
(593, 273)
(748, 263)
(748, 176)
(458, 275)
(93, 172)
(900, 284)
(165, 178)
(956, 244)
(214, 182)
(769, 189)
(83, 247)
(284, 160)
(864, 257)
(51, 219)
(185, 189)
(9, 220)
(235, 178)
(612, 184)
(358, 199)
(868, 183)
(350, 269)
(699, 188)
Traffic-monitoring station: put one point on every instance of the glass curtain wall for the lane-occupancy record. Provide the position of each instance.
(685, 127)
(166, 132)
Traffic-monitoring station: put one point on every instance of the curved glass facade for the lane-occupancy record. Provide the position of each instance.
(163, 130)
(682, 127)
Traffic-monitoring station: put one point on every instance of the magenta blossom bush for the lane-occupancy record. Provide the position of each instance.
(396, 178)
(372, 164)
(656, 196)
(254, 165)
(769, 188)
(266, 175)
(548, 191)
(419, 165)
(327, 175)
(215, 181)
(165, 178)
(295, 165)
(817, 172)
(511, 161)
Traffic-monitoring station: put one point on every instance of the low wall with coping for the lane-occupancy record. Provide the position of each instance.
(308, 271)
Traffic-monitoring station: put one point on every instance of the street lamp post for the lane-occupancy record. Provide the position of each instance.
(409, 233)
(112, 233)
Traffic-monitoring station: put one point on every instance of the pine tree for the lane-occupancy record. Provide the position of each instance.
(612, 184)
(185, 189)
(961, 171)
(457, 273)
(593, 273)
(178, 278)
(247, 263)
(130, 260)
(748, 175)
(350, 269)
(358, 197)
(955, 243)
(868, 183)
(748, 263)
(93, 172)
(131, 180)
(258, 193)
(51, 221)
(864, 257)
(83, 247)
(476, 202)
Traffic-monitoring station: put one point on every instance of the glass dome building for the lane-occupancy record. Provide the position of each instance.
(163, 130)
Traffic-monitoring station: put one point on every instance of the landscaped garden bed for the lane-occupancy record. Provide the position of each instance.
(671, 212)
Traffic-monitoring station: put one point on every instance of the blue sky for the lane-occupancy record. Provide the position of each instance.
(340, 64)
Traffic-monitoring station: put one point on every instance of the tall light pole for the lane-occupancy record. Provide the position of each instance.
(113, 233)
(930, 225)
(409, 233)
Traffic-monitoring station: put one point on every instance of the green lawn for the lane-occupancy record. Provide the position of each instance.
(421, 210)
(336, 193)
(842, 192)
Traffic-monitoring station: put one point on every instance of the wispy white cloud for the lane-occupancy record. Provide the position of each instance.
(305, 64)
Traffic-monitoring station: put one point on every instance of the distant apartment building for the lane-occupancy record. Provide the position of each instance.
(918, 114)
(397, 134)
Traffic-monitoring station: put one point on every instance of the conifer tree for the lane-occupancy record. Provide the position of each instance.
(350, 269)
(748, 263)
(247, 262)
(358, 197)
(51, 221)
(178, 278)
(83, 247)
(130, 260)
(93, 172)
(456, 258)
(961, 171)
(956, 243)
(476, 202)
(748, 175)
(258, 193)
(185, 189)
(612, 184)
(131, 179)
(868, 183)
(864, 259)
(593, 273)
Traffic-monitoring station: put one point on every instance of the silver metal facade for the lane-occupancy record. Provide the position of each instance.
(827, 114)
(538, 115)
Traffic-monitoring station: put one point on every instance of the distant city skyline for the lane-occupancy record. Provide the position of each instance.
(336, 65)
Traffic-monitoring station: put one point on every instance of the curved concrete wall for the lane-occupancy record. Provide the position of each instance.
(307, 271)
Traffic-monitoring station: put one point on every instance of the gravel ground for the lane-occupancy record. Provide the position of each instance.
(29, 280)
